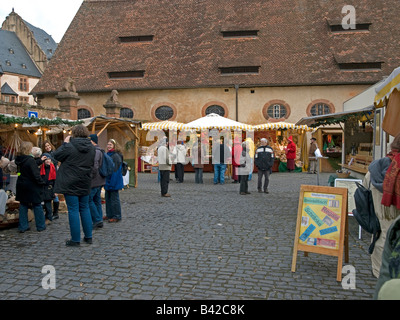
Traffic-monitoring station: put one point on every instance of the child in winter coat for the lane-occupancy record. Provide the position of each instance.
(48, 173)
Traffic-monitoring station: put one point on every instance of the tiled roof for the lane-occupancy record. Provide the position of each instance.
(44, 40)
(14, 57)
(294, 44)
(6, 89)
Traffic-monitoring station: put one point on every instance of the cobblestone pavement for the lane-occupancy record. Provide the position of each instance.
(205, 242)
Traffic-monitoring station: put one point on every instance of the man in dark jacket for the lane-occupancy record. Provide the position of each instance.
(221, 156)
(98, 182)
(264, 160)
(74, 179)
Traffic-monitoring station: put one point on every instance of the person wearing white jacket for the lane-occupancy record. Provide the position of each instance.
(164, 165)
(180, 151)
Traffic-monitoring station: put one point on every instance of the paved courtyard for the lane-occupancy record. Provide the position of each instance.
(205, 242)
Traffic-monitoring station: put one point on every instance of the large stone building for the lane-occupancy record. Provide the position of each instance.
(254, 61)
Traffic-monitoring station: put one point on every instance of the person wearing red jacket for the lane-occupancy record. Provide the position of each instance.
(236, 154)
(290, 154)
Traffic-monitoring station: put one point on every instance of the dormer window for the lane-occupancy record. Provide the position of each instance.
(11, 50)
(136, 39)
(239, 70)
(23, 66)
(134, 74)
(8, 62)
(360, 66)
(338, 28)
(239, 34)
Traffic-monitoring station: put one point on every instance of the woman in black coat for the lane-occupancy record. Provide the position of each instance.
(29, 188)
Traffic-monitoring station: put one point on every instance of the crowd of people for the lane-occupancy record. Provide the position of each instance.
(72, 170)
(243, 155)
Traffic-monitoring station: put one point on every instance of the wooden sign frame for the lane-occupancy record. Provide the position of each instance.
(319, 245)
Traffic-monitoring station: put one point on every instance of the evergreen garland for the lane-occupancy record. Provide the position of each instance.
(40, 121)
(344, 118)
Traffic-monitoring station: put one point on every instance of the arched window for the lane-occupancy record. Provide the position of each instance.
(164, 113)
(320, 107)
(83, 113)
(215, 109)
(276, 110)
(126, 113)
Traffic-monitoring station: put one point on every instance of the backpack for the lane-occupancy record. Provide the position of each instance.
(124, 169)
(365, 213)
(107, 165)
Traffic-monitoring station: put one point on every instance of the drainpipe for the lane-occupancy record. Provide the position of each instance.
(237, 102)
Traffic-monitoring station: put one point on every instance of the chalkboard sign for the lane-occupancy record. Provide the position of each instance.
(322, 223)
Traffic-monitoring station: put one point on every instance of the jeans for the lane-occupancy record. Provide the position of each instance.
(198, 177)
(113, 205)
(79, 212)
(266, 174)
(23, 224)
(219, 173)
(96, 210)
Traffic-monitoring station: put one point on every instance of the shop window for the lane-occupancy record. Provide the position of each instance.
(215, 109)
(164, 113)
(126, 113)
(83, 113)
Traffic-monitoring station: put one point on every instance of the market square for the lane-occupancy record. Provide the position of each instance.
(205, 242)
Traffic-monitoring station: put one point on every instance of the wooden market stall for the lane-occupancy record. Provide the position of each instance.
(13, 131)
(125, 132)
(149, 135)
(277, 134)
(357, 137)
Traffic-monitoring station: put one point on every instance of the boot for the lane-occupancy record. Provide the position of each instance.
(55, 209)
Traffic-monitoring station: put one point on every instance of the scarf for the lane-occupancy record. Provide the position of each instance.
(391, 183)
(52, 172)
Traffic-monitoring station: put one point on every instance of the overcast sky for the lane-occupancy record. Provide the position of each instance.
(53, 16)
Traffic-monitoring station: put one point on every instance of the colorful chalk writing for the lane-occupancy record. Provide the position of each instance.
(316, 201)
(307, 232)
(313, 216)
(330, 213)
(323, 232)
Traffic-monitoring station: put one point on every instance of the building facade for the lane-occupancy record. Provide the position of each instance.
(252, 61)
(24, 53)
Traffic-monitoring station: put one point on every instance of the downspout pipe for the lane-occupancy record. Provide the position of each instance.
(237, 101)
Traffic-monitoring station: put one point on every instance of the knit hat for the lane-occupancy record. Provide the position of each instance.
(47, 155)
(94, 138)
